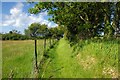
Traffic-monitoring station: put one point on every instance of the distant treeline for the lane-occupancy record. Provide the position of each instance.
(9, 36)
(15, 35)
(34, 31)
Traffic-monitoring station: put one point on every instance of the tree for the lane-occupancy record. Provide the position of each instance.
(78, 18)
(27, 33)
(13, 35)
(36, 30)
(116, 18)
(56, 32)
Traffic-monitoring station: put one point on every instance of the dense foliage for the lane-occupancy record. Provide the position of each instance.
(13, 35)
(37, 30)
(34, 31)
(83, 20)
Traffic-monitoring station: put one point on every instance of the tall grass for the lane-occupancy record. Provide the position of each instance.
(18, 58)
(0, 59)
(86, 59)
(99, 57)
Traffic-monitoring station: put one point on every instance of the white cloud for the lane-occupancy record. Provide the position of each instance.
(8, 22)
(18, 18)
(50, 24)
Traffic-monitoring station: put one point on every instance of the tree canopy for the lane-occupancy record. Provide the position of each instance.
(82, 20)
(36, 30)
(13, 35)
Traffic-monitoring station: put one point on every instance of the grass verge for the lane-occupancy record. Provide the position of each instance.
(86, 59)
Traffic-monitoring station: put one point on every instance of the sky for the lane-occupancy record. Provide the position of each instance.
(15, 15)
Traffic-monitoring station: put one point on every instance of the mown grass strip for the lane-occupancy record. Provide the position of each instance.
(90, 59)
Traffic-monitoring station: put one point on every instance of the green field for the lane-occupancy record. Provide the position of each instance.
(18, 58)
(0, 59)
(86, 59)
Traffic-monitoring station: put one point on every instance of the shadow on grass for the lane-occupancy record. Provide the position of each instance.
(47, 53)
(47, 58)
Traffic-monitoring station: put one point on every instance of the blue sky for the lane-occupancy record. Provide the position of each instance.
(15, 16)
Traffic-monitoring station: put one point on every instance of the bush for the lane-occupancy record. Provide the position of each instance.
(13, 36)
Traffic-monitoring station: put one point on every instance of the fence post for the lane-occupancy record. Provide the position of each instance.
(53, 41)
(50, 41)
(36, 54)
(11, 75)
(45, 45)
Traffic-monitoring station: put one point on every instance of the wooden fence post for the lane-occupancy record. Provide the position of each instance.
(53, 40)
(45, 45)
(36, 54)
(50, 42)
(11, 75)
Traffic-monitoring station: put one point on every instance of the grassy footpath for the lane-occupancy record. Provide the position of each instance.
(0, 58)
(87, 59)
(18, 56)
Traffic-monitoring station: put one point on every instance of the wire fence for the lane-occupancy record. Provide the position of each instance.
(40, 49)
